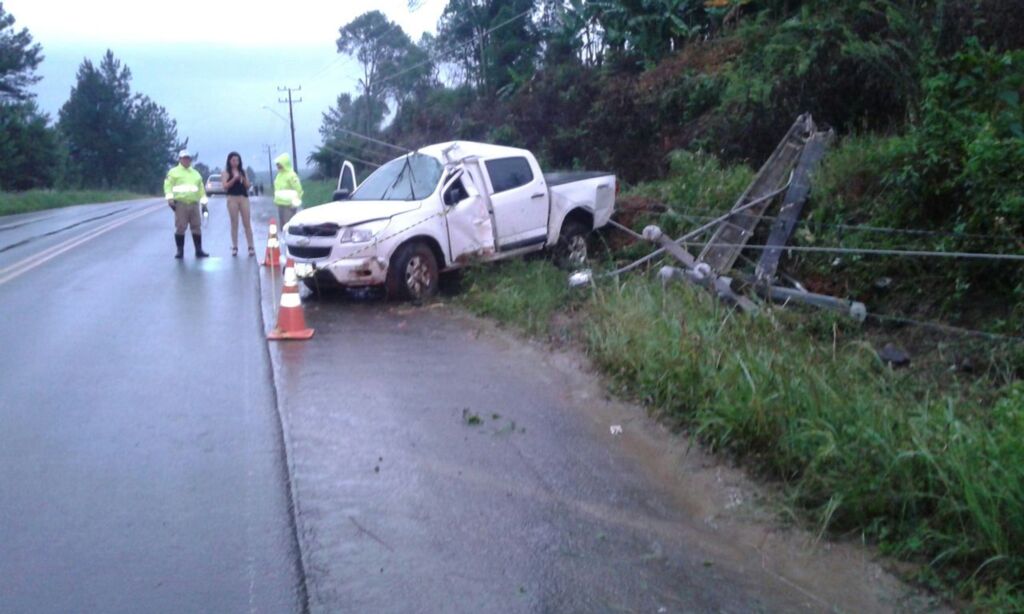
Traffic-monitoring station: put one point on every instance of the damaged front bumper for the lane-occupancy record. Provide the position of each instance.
(368, 271)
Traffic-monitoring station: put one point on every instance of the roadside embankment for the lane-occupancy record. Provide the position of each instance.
(37, 200)
(927, 466)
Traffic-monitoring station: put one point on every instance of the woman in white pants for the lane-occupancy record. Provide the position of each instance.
(236, 184)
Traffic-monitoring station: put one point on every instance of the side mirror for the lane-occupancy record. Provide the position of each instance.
(341, 194)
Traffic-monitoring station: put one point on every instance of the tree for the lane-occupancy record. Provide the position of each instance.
(19, 58)
(95, 122)
(115, 139)
(154, 143)
(28, 148)
(651, 29)
(202, 169)
(493, 41)
(339, 122)
(383, 49)
(415, 73)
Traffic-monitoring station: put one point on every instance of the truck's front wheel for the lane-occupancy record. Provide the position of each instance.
(413, 274)
(572, 252)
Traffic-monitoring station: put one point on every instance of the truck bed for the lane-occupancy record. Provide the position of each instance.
(594, 192)
(563, 177)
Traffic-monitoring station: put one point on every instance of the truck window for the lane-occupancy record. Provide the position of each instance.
(509, 173)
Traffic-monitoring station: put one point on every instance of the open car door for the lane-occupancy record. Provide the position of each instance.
(470, 231)
(346, 182)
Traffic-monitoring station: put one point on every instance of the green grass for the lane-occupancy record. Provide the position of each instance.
(316, 193)
(523, 293)
(931, 473)
(37, 200)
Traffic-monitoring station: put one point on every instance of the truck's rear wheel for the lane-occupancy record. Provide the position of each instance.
(572, 250)
(413, 274)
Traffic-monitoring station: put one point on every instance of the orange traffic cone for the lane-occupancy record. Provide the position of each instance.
(273, 256)
(291, 322)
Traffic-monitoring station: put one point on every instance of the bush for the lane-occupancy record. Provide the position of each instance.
(851, 65)
(698, 184)
(964, 165)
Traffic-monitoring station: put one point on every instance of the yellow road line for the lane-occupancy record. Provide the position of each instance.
(27, 264)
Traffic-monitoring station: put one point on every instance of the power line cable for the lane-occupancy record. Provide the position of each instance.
(909, 253)
(372, 140)
(703, 214)
(885, 317)
(349, 156)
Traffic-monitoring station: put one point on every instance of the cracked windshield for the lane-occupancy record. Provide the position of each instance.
(518, 306)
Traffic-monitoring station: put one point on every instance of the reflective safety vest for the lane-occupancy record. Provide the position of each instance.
(184, 185)
(287, 187)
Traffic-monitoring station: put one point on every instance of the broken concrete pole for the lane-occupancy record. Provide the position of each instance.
(725, 245)
(792, 204)
(699, 274)
(856, 310)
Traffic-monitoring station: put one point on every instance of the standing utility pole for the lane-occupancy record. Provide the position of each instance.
(270, 163)
(291, 119)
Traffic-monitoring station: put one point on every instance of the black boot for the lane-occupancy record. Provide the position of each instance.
(197, 240)
(179, 240)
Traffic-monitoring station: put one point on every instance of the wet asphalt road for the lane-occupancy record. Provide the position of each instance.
(140, 446)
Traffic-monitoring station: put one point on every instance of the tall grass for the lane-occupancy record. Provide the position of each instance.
(699, 183)
(520, 292)
(932, 474)
(37, 200)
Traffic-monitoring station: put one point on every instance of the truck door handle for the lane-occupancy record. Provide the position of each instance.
(541, 195)
(603, 186)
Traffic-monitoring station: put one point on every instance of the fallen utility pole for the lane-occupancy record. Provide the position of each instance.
(792, 204)
(855, 309)
(699, 274)
(797, 155)
(697, 232)
(726, 244)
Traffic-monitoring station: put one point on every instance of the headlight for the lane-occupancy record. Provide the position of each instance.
(363, 233)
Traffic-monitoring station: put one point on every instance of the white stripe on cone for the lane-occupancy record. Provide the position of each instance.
(290, 300)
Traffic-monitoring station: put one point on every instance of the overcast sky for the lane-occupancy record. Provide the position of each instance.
(214, 65)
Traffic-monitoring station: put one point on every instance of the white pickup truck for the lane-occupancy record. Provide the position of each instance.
(440, 208)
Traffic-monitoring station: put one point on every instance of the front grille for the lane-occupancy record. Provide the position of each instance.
(308, 252)
(314, 230)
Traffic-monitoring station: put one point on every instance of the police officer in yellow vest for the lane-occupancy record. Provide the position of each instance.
(185, 194)
(287, 189)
